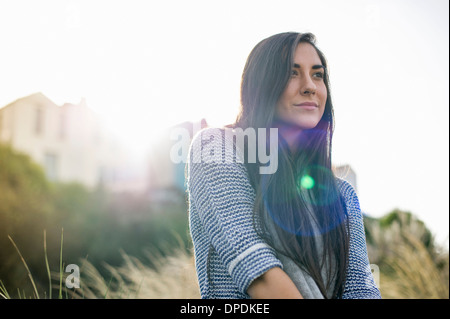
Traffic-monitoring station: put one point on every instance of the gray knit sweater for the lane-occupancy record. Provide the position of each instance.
(229, 253)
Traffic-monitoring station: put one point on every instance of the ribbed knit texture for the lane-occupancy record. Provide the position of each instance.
(229, 254)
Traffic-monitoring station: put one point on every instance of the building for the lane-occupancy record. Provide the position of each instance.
(166, 175)
(346, 173)
(68, 141)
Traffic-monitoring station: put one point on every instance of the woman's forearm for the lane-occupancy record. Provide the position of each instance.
(274, 284)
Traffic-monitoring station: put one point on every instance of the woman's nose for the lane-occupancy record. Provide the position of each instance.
(307, 86)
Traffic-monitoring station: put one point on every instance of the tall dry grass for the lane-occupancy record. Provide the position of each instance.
(412, 264)
(170, 277)
(411, 273)
(410, 268)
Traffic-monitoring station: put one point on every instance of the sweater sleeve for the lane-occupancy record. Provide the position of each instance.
(219, 188)
(360, 283)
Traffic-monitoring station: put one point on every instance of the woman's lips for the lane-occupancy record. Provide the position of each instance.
(307, 105)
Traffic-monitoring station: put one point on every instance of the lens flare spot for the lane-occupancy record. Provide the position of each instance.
(307, 182)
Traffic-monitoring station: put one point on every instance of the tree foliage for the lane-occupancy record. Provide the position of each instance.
(25, 207)
(97, 225)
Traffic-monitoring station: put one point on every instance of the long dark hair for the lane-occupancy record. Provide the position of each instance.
(304, 190)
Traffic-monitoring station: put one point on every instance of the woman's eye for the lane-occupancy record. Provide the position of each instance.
(294, 73)
(319, 75)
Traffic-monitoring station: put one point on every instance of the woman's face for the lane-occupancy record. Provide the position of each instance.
(302, 102)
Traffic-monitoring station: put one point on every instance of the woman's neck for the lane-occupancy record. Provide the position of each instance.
(290, 133)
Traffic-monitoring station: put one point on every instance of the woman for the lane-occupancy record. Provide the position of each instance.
(296, 232)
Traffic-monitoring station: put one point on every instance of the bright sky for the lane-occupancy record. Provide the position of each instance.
(146, 65)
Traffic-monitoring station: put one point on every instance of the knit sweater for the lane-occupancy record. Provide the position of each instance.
(229, 253)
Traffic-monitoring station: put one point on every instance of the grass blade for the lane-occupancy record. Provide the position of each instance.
(26, 267)
(61, 265)
(3, 291)
(107, 288)
(46, 264)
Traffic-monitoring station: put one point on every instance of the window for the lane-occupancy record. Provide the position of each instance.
(39, 121)
(50, 166)
(62, 125)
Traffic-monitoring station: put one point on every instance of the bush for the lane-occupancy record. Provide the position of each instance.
(96, 223)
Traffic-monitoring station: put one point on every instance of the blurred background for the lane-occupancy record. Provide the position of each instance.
(90, 91)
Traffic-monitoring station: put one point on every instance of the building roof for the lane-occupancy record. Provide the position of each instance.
(35, 98)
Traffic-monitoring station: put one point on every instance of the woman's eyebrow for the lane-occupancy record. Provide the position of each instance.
(314, 67)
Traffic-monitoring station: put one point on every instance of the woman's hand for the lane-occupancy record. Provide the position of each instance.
(273, 284)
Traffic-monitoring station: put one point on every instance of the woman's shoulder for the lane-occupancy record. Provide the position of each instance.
(345, 187)
(350, 197)
(215, 144)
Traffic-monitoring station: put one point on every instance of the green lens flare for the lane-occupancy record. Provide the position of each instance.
(307, 182)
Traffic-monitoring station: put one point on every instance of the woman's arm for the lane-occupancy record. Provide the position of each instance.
(273, 284)
(221, 215)
(360, 282)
